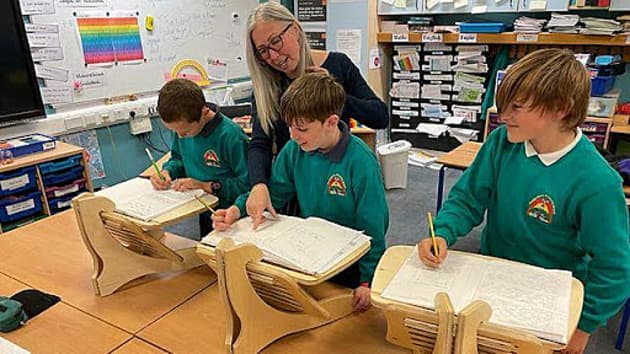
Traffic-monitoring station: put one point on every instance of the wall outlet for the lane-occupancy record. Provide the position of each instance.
(140, 124)
(74, 122)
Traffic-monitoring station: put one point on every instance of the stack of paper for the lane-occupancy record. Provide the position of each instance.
(521, 296)
(563, 23)
(526, 24)
(311, 246)
(137, 198)
(600, 26)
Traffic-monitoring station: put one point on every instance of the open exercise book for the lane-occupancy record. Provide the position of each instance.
(521, 296)
(137, 198)
(311, 246)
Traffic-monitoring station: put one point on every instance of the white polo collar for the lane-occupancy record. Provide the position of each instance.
(550, 158)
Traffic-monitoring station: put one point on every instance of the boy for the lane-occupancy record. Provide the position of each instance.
(551, 199)
(334, 175)
(209, 151)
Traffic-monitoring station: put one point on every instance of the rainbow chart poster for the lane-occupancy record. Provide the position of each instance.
(107, 40)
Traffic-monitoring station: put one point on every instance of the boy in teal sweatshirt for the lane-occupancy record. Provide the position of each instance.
(550, 197)
(334, 175)
(209, 150)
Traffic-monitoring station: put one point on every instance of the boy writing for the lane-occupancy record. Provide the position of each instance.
(551, 199)
(334, 175)
(209, 151)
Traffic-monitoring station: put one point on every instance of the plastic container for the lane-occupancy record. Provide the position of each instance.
(59, 165)
(481, 27)
(601, 84)
(17, 181)
(14, 208)
(393, 158)
(58, 204)
(73, 188)
(28, 144)
(55, 179)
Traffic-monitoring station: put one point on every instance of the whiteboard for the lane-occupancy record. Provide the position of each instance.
(201, 30)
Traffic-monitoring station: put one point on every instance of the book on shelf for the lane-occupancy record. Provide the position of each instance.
(137, 198)
(311, 246)
(521, 296)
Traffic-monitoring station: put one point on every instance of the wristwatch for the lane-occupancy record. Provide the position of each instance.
(215, 186)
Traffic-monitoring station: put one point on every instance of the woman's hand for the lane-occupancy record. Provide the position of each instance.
(259, 201)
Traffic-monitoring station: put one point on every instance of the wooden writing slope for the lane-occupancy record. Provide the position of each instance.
(441, 331)
(264, 302)
(124, 249)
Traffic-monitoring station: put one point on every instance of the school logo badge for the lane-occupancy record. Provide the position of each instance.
(542, 208)
(336, 185)
(211, 158)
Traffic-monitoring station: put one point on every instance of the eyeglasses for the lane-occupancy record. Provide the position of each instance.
(275, 44)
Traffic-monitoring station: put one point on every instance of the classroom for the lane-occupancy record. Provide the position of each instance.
(312, 176)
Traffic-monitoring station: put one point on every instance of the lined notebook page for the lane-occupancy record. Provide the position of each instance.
(521, 296)
(137, 198)
(312, 245)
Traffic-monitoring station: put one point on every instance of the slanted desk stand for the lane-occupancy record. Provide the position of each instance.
(264, 302)
(440, 331)
(122, 250)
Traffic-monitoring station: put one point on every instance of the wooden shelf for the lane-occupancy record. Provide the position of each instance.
(590, 8)
(599, 120)
(511, 38)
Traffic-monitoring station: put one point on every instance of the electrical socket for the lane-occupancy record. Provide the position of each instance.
(74, 122)
(140, 124)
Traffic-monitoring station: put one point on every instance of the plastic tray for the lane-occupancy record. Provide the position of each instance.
(55, 179)
(28, 144)
(17, 181)
(58, 204)
(481, 27)
(60, 165)
(15, 208)
(60, 191)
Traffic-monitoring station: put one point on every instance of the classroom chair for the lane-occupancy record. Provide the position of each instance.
(263, 303)
(122, 250)
(623, 326)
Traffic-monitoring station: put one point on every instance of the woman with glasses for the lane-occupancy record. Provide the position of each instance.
(277, 53)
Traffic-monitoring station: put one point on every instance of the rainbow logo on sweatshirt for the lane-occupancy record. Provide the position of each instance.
(336, 185)
(211, 159)
(542, 208)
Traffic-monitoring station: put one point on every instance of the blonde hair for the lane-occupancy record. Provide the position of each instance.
(551, 79)
(312, 97)
(266, 80)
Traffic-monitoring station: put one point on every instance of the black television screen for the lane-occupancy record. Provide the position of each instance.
(19, 92)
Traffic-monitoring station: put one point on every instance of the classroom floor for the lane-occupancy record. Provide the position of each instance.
(408, 208)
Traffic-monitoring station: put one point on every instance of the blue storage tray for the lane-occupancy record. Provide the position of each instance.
(28, 144)
(53, 179)
(482, 27)
(60, 165)
(16, 208)
(17, 181)
(601, 84)
(58, 204)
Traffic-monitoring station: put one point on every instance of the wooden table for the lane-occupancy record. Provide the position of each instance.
(459, 158)
(138, 346)
(62, 328)
(199, 326)
(50, 255)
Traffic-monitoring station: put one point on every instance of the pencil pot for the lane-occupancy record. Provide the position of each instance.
(393, 159)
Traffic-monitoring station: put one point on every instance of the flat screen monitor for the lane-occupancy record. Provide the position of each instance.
(20, 98)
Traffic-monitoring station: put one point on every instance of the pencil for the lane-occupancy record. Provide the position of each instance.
(212, 211)
(154, 165)
(435, 248)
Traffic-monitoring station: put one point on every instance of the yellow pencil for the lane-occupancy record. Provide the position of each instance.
(435, 248)
(212, 211)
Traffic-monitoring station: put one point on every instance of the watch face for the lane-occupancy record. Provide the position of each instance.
(216, 186)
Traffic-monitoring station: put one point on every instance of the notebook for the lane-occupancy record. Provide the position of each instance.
(521, 296)
(311, 246)
(137, 198)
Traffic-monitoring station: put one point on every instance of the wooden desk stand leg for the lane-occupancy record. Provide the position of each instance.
(116, 264)
(422, 331)
(468, 323)
(252, 323)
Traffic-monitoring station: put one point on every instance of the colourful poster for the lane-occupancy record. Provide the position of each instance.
(107, 40)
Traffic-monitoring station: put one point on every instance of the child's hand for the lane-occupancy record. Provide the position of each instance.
(361, 299)
(577, 344)
(186, 184)
(258, 202)
(224, 218)
(158, 184)
(425, 251)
